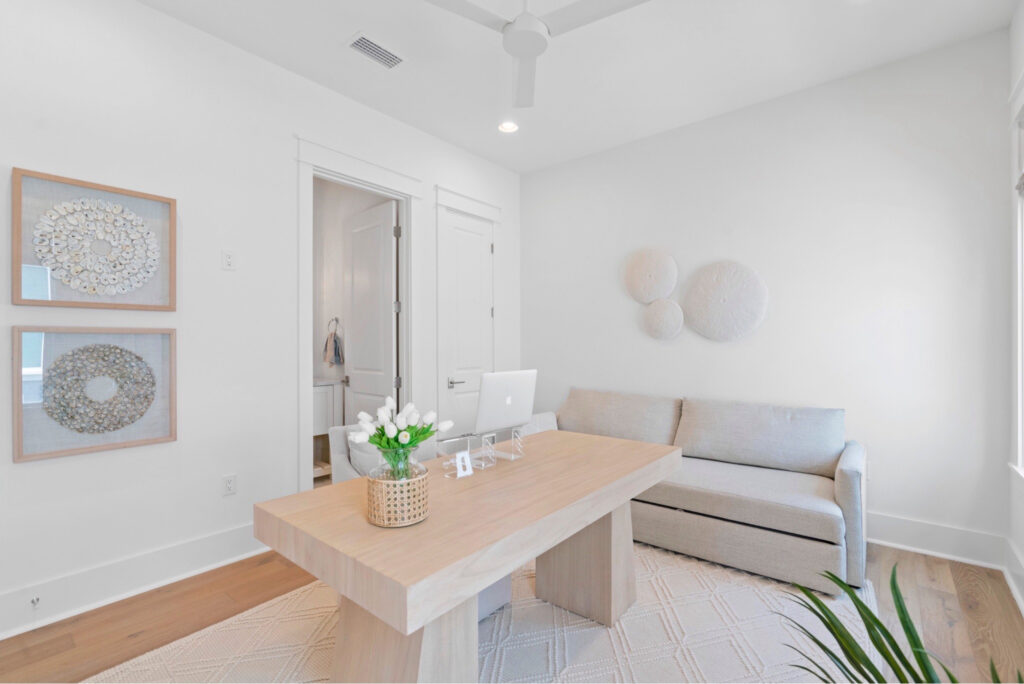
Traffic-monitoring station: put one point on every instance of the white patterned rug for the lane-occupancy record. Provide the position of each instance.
(693, 621)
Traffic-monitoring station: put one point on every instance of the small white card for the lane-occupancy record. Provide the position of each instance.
(463, 464)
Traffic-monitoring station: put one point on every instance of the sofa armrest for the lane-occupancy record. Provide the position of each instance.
(850, 493)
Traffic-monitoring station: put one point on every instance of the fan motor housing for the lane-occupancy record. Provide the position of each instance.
(525, 36)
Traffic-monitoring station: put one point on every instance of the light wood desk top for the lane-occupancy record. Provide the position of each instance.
(480, 528)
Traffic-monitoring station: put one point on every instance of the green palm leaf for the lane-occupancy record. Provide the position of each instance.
(885, 643)
(913, 638)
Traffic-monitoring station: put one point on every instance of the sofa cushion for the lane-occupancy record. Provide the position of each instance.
(780, 500)
(615, 414)
(805, 440)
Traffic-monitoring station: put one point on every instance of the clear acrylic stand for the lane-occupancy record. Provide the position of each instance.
(484, 457)
(517, 447)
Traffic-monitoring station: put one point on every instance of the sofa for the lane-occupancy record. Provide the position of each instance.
(773, 490)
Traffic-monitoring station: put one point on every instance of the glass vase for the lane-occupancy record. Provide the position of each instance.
(399, 464)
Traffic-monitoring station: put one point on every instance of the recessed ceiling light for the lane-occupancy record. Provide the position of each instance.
(508, 127)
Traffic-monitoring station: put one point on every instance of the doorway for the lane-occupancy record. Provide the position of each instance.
(357, 333)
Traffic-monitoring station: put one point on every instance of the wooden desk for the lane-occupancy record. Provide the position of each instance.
(408, 595)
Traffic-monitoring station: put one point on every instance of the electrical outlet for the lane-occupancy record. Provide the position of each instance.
(230, 484)
(34, 601)
(228, 261)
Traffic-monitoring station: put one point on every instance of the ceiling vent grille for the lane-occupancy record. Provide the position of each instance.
(375, 52)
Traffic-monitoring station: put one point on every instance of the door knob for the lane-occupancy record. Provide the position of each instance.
(452, 382)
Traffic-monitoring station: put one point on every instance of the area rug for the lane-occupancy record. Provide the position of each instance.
(693, 621)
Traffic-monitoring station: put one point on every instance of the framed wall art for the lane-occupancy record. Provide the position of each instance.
(78, 390)
(87, 245)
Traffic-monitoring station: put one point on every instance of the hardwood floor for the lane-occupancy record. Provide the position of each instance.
(81, 646)
(966, 615)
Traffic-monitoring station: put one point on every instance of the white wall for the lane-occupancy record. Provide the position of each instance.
(876, 210)
(113, 92)
(333, 203)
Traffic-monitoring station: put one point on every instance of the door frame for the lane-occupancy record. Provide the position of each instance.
(450, 200)
(318, 161)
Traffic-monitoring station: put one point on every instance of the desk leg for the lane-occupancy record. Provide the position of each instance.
(591, 573)
(369, 650)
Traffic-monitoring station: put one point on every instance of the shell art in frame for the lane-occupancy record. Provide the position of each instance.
(96, 247)
(66, 388)
(725, 301)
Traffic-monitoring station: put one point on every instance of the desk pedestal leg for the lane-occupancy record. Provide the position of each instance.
(369, 650)
(591, 573)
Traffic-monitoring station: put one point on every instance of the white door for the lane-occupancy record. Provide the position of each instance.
(369, 335)
(465, 314)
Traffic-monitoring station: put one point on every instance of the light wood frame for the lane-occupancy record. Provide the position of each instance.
(16, 396)
(16, 244)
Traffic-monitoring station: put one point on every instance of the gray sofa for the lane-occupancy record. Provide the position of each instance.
(773, 490)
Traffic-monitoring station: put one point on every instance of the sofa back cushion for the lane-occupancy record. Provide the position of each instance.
(805, 440)
(615, 414)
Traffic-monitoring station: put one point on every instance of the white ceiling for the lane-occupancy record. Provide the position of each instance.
(652, 68)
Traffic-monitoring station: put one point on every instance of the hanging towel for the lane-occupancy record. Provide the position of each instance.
(333, 355)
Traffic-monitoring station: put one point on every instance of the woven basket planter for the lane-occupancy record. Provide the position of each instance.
(397, 503)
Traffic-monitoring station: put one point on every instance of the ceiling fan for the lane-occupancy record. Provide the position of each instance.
(527, 36)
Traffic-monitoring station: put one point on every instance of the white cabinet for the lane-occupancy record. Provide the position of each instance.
(327, 407)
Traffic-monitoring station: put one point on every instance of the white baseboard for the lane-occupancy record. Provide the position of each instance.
(74, 593)
(945, 541)
(953, 543)
(1014, 571)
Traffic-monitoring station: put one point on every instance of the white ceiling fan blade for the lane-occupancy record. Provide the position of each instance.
(527, 79)
(583, 12)
(465, 8)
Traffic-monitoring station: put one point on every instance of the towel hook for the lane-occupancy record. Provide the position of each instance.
(335, 322)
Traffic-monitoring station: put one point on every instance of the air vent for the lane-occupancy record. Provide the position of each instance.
(375, 52)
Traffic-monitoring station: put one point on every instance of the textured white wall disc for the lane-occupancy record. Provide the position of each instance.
(663, 319)
(650, 274)
(725, 301)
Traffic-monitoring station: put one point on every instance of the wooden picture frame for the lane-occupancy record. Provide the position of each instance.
(157, 292)
(47, 430)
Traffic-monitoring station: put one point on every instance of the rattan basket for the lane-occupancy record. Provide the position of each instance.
(397, 503)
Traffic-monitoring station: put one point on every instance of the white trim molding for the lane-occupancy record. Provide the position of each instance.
(1014, 572)
(946, 541)
(67, 595)
(468, 205)
(346, 167)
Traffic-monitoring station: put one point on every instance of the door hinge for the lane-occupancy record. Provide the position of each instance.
(398, 307)
(492, 312)
(492, 248)
(398, 231)
(346, 381)
(398, 382)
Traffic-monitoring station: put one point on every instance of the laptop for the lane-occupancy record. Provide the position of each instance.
(506, 401)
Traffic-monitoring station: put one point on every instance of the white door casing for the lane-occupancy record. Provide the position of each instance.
(465, 314)
(370, 334)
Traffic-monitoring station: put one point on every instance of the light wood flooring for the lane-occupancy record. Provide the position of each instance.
(966, 615)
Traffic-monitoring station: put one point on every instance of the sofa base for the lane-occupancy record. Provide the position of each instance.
(774, 554)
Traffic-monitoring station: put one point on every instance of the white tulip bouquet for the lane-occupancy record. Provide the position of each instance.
(397, 435)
